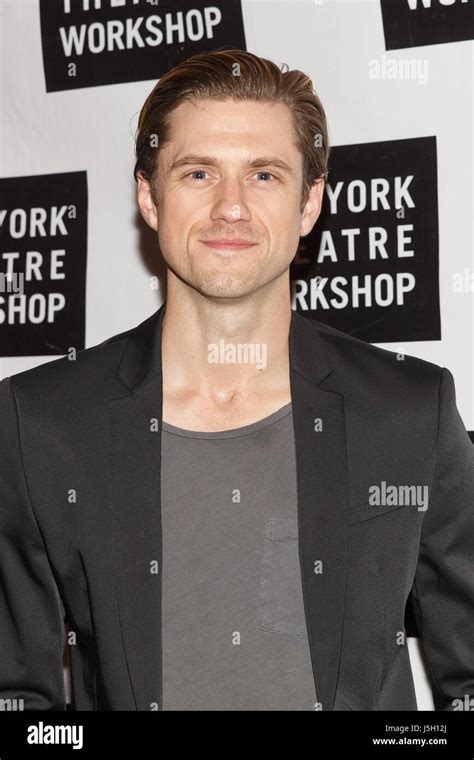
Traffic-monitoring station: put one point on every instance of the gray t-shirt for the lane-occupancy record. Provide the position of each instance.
(234, 631)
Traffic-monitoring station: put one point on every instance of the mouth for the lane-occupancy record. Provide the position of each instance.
(235, 244)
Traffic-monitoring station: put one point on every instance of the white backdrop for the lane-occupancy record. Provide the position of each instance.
(91, 129)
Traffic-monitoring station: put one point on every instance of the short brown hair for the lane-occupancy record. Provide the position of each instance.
(239, 75)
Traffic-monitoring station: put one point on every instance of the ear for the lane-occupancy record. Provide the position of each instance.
(146, 202)
(312, 207)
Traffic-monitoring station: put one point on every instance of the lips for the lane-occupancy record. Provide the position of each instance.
(235, 243)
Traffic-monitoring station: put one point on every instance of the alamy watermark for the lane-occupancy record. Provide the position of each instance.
(237, 353)
(12, 282)
(399, 68)
(12, 704)
(390, 495)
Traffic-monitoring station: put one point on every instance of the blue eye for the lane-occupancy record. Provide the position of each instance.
(264, 172)
(202, 171)
(197, 171)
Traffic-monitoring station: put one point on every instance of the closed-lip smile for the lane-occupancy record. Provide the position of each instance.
(229, 243)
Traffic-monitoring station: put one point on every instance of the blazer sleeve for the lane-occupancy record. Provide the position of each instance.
(31, 624)
(443, 590)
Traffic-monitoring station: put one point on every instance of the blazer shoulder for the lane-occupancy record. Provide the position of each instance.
(90, 365)
(392, 365)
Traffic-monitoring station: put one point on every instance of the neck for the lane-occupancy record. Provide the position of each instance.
(223, 349)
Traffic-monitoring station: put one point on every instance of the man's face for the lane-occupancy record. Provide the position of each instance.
(208, 190)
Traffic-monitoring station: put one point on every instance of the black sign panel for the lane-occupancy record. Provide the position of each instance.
(43, 223)
(97, 42)
(414, 23)
(369, 267)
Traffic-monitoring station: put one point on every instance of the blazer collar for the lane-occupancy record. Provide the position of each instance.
(135, 486)
(141, 360)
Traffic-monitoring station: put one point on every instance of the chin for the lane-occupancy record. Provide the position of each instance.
(225, 288)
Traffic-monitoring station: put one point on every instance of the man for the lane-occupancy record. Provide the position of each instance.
(232, 503)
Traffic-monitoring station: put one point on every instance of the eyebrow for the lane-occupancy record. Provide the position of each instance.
(256, 163)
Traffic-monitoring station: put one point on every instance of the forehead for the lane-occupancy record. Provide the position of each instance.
(207, 125)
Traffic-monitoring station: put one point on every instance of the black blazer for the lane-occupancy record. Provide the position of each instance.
(80, 523)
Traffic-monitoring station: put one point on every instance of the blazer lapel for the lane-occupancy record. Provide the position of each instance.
(322, 487)
(322, 484)
(135, 449)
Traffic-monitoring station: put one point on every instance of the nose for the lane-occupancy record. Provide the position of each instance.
(229, 202)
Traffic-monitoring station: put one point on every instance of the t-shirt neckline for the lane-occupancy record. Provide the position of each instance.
(233, 432)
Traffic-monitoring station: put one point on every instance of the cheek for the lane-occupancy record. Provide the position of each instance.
(181, 213)
(283, 227)
(172, 217)
(283, 209)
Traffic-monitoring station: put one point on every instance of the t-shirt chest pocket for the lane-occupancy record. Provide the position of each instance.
(281, 606)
